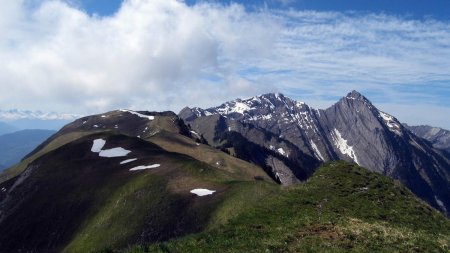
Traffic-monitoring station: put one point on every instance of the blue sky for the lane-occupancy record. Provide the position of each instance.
(438, 9)
(89, 56)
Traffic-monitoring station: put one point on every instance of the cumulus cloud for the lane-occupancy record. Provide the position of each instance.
(163, 54)
(149, 54)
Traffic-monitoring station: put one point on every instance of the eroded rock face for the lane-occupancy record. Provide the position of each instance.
(353, 129)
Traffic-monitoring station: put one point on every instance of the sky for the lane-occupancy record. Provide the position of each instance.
(91, 56)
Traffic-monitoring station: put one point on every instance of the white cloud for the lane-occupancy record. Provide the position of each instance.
(163, 54)
(145, 55)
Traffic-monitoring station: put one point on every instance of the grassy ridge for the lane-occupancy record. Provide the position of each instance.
(216, 158)
(342, 208)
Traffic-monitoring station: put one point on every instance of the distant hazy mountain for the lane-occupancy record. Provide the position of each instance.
(6, 128)
(14, 146)
(291, 136)
(23, 119)
(440, 138)
(52, 124)
(16, 114)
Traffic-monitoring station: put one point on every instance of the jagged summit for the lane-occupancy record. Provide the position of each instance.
(352, 129)
(356, 96)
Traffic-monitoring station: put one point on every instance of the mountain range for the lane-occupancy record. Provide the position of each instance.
(14, 146)
(251, 175)
(15, 120)
(16, 114)
(294, 138)
(6, 128)
(440, 138)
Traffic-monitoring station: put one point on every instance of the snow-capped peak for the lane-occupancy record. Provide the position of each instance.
(237, 106)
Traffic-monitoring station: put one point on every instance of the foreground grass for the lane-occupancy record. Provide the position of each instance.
(342, 208)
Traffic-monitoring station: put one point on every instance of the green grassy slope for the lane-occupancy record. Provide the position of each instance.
(181, 144)
(342, 208)
(72, 200)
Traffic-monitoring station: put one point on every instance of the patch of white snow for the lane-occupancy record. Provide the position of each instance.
(139, 114)
(316, 151)
(202, 192)
(143, 167)
(282, 152)
(238, 107)
(390, 121)
(128, 161)
(114, 152)
(342, 145)
(97, 145)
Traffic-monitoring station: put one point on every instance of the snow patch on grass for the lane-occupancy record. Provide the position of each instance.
(114, 152)
(97, 145)
(143, 167)
(202, 192)
(128, 161)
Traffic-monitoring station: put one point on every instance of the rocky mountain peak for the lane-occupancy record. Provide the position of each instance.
(355, 99)
(353, 129)
(356, 96)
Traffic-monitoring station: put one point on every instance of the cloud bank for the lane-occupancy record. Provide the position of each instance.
(163, 54)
